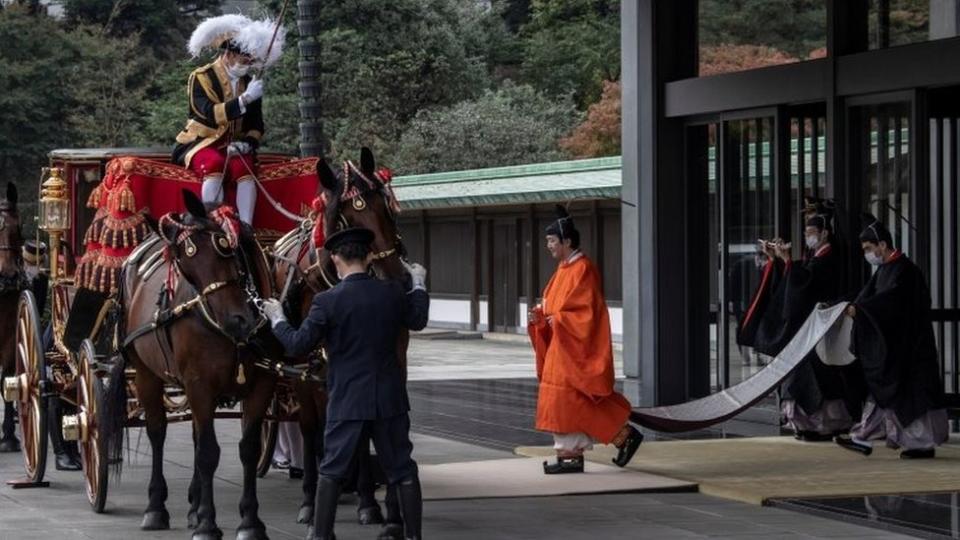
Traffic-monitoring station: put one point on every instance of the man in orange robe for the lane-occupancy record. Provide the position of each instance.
(570, 331)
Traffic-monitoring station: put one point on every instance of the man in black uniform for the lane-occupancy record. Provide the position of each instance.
(358, 322)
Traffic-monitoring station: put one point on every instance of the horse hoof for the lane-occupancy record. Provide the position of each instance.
(391, 531)
(192, 519)
(9, 446)
(306, 514)
(215, 534)
(252, 534)
(155, 520)
(370, 516)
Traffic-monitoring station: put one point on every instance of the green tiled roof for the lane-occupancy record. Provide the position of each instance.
(523, 184)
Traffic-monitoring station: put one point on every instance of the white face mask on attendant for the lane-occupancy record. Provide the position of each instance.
(236, 71)
(812, 241)
(873, 258)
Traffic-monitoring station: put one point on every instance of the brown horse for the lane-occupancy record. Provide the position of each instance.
(355, 197)
(13, 280)
(197, 342)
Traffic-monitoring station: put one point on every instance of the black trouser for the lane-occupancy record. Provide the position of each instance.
(391, 438)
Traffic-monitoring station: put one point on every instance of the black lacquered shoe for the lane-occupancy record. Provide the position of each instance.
(926, 453)
(564, 466)
(67, 462)
(847, 442)
(812, 436)
(629, 447)
(370, 515)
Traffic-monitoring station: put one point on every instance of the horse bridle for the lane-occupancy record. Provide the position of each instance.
(198, 301)
(356, 196)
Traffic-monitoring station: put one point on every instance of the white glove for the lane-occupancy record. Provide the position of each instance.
(418, 275)
(273, 309)
(239, 148)
(253, 92)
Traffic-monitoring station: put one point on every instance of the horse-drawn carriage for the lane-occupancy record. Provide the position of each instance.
(81, 369)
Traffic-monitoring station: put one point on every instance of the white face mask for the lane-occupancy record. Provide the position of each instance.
(236, 71)
(812, 241)
(873, 258)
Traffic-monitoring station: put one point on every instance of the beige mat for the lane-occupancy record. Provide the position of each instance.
(516, 477)
(755, 469)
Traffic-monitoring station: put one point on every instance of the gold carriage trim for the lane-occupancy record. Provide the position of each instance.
(300, 167)
(105, 273)
(123, 233)
(125, 167)
(96, 227)
(94, 200)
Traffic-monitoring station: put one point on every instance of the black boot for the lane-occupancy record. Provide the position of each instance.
(9, 445)
(564, 465)
(628, 448)
(411, 504)
(67, 455)
(370, 515)
(325, 510)
(393, 527)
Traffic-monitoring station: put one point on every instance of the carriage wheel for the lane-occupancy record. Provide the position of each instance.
(93, 451)
(268, 438)
(32, 376)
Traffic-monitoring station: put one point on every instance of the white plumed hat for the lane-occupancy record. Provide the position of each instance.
(241, 34)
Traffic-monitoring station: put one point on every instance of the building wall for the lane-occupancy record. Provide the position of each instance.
(475, 251)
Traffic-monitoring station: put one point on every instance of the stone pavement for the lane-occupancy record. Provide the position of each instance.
(61, 511)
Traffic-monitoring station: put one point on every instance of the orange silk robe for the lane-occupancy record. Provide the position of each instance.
(575, 357)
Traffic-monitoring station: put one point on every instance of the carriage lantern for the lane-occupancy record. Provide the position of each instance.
(54, 213)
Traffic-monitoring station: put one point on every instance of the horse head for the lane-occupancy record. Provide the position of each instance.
(204, 254)
(361, 196)
(11, 239)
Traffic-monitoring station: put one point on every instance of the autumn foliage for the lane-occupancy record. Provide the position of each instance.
(599, 134)
(718, 59)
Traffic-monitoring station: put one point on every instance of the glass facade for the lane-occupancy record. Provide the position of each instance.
(749, 34)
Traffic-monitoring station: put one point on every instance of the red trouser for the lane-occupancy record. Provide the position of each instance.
(212, 160)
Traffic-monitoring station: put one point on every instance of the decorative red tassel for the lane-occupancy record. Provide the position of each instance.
(226, 217)
(318, 207)
(384, 174)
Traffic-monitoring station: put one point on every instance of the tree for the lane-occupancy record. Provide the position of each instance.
(572, 46)
(600, 134)
(108, 110)
(164, 25)
(795, 27)
(512, 125)
(33, 52)
(715, 60)
(384, 62)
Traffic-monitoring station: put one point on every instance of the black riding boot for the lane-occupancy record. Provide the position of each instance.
(66, 452)
(325, 510)
(411, 503)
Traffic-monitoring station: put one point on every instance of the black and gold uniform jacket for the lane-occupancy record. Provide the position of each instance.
(215, 118)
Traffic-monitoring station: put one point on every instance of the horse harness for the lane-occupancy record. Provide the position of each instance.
(20, 281)
(165, 315)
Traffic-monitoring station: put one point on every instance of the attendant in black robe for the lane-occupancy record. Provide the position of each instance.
(894, 341)
(813, 397)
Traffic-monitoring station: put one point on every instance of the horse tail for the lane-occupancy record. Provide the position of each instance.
(114, 414)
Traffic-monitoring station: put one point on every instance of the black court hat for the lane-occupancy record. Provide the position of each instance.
(355, 235)
(34, 247)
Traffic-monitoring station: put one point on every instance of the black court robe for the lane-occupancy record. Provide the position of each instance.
(894, 341)
(786, 297)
